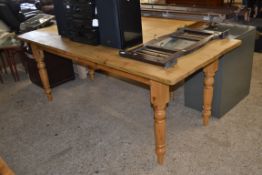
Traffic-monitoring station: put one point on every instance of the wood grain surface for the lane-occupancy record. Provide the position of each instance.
(48, 38)
(158, 78)
(4, 169)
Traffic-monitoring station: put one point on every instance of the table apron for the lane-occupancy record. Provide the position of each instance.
(95, 65)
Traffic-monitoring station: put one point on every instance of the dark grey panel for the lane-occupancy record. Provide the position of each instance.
(232, 81)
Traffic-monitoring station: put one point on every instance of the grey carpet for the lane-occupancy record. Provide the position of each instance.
(105, 127)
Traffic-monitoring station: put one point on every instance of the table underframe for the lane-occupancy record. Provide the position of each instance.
(160, 92)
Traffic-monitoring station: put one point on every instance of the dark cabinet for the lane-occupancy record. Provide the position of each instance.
(59, 70)
(232, 80)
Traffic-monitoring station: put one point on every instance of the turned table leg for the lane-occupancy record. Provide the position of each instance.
(209, 73)
(39, 56)
(91, 72)
(159, 99)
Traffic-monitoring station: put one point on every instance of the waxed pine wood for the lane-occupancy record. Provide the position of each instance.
(209, 73)
(48, 39)
(4, 168)
(159, 99)
(39, 56)
(158, 78)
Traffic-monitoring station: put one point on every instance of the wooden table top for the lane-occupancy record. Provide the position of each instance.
(48, 39)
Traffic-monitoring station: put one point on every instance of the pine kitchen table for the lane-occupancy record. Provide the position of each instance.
(158, 78)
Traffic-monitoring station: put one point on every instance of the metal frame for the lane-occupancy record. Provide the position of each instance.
(167, 57)
(219, 14)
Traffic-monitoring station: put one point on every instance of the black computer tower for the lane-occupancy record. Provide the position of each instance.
(119, 23)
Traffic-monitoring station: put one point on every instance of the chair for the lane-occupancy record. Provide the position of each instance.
(10, 13)
(8, 59)
(9, 48)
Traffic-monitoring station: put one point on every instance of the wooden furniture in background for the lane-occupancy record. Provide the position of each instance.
(9, 53)
(206, 3)
(158, 78)
(4, 169)
(8, 59)
(1, 78)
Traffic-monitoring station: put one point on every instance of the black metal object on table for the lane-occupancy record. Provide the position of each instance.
(218, 14)
(36, 22)
(165, 50)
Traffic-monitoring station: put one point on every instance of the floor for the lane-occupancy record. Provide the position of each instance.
(105, 127)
